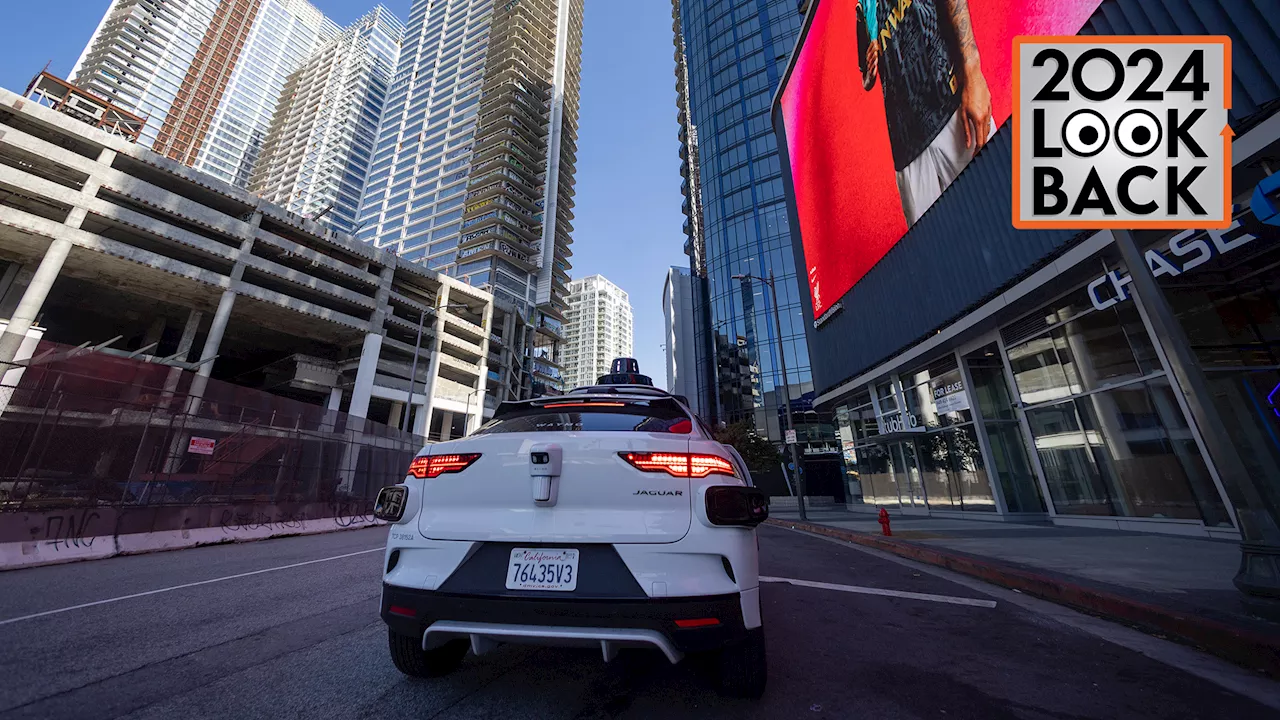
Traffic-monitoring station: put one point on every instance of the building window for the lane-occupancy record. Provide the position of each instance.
(1109, 433)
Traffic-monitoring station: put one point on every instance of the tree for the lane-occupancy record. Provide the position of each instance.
(759, 454)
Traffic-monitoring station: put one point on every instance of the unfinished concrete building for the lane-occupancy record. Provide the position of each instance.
(101, 238)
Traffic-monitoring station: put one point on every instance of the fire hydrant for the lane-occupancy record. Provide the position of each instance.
(884, 522)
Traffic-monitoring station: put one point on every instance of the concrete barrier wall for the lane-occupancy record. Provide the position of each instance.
(57, 536)
(788, 502)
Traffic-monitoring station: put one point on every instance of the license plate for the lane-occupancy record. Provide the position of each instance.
(543, 569)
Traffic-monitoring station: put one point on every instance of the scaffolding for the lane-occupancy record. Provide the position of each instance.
(56, 93)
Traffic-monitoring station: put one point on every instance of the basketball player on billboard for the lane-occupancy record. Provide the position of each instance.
(936, 99)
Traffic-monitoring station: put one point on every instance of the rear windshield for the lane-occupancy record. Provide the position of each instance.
(636, 418)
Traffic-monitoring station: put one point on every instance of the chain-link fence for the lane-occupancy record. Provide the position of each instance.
(90, 430)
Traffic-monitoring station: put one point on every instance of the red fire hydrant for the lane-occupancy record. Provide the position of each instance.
(884, 522)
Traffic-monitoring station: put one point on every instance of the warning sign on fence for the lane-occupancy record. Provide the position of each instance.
(201, 446)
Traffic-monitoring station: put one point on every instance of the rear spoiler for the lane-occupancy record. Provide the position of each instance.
(655, 400)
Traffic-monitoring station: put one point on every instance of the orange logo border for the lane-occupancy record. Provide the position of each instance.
(1227, 133)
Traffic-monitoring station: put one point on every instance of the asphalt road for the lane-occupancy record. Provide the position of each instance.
(304, 641)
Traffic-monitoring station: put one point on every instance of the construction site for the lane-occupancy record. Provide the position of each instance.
(170, 340)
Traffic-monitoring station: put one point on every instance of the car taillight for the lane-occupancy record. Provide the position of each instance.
(686, 465)
(437, 465)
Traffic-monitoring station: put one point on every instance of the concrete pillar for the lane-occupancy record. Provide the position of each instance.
(446, 424)
(50, 267)
(420, 426)
(7, 280)
(476, 418)
(396, 409)
(184, 349)
(189, 331)
(11, 376)
(212, 343)
(154, 333)
(363, 390)
(33, 299)
(331, 411)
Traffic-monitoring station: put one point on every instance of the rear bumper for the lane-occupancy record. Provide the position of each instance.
(550, 619)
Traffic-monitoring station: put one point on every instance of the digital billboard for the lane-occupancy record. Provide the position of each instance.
(885, 103)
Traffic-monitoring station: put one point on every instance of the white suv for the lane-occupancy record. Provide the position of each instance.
(607, 517)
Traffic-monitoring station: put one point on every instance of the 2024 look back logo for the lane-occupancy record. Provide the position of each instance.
(1122, 132)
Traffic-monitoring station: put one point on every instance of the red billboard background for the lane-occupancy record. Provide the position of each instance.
(848, 206)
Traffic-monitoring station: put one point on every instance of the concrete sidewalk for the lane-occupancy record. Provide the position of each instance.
(1162, 583)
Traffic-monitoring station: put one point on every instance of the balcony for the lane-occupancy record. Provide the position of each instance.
(506, 252)
(509, 135)
(509, 161)
(543, 355)
(509, 175)
(551, 328)
(497, 233)
(508, 206)
(534, 136)
(531, 116)
(511, 192)
(509, 92)
(546, 369)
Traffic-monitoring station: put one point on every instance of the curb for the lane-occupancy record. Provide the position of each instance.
(1242, 646)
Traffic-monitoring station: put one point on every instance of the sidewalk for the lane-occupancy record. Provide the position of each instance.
(1164, 584)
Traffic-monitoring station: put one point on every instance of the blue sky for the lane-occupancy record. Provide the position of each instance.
(628, 220)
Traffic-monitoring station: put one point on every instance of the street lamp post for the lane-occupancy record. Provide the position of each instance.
(786, 391)
(413, 370)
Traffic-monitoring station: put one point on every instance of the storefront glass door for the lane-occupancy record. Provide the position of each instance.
(910, 483)
(1009, 459)
(951, 468)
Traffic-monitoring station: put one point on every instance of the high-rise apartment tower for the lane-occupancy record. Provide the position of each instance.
(317, 152)
(598, 328)
(205, 73)
(474, 169)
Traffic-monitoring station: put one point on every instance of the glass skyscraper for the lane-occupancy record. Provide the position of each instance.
(138, 56)
(730, 57)
(473, 172)
(317, 151)
(206, 74)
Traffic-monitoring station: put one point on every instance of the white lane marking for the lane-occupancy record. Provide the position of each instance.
(185, 585)
(1181, 657)
(877, 591)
